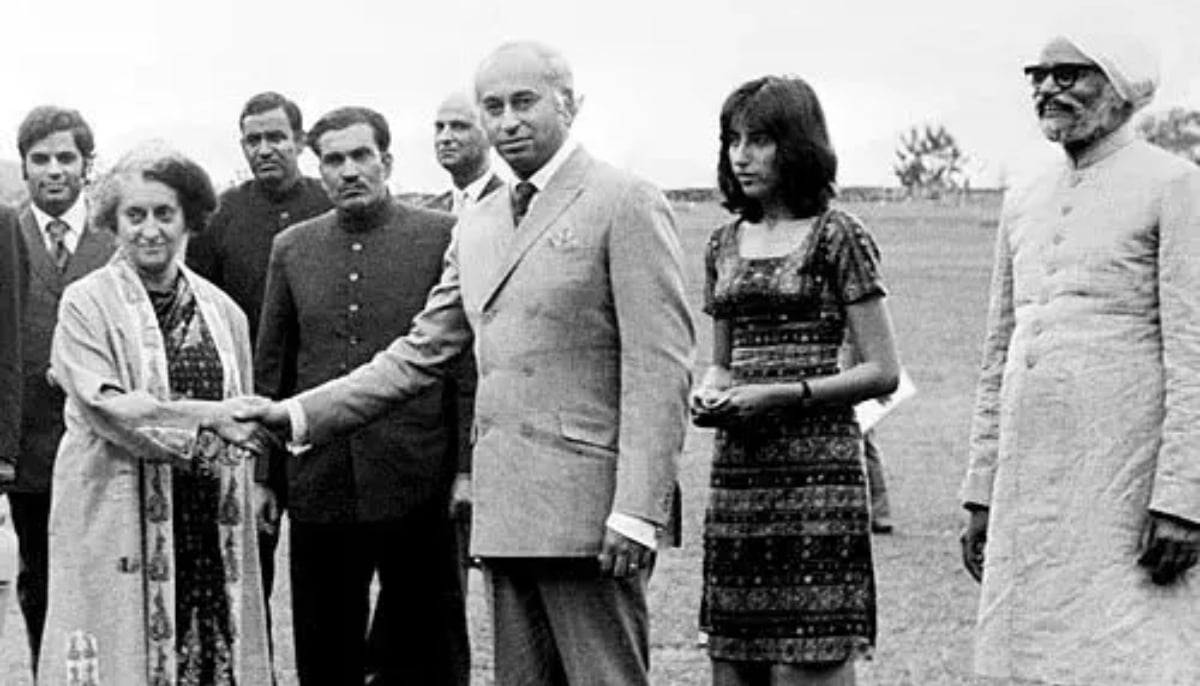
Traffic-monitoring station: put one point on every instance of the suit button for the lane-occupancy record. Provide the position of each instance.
(1058, 239)
(353, 277)
(353, 307)
(1066, 209)
(356, 246)
(1030, 360)
(354, 340)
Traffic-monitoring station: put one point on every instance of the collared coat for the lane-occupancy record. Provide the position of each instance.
(583, 341)
(110, 614)
(445, 201)
(1087, 418)
(337, 293)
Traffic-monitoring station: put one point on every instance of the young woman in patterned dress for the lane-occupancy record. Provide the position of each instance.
(789, 592)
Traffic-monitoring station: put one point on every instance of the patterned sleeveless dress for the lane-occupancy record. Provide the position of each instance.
(788, 574)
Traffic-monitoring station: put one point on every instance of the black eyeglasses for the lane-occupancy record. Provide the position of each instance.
(1064, 75)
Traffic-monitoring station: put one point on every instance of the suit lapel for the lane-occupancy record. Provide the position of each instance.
(94, 249)
(41, 267)
(493, 184)
(550, 202)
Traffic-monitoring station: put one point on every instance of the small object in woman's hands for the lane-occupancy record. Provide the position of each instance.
(707, 405)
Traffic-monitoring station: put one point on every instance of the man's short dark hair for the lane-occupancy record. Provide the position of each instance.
(270, 100)
(49, 119)
(787, 110)
(344, 117)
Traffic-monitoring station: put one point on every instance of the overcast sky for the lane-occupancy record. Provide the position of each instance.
(653, 72)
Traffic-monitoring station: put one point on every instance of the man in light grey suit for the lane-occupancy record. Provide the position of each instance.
(571, 290)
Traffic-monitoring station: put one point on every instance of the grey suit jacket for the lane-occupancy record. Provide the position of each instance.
(584, 342)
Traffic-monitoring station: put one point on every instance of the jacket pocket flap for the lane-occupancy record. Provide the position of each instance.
(589, 429)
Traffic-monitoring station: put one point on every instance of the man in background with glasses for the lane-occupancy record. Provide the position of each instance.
(1084, 479)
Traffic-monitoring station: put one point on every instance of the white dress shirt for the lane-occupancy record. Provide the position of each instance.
(75, 218)
(464, 198)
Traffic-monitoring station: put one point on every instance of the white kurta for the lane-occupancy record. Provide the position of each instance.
(1087, 417)
(110, 615)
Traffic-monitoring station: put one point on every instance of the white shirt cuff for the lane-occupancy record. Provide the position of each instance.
(634, 528)
(295, 410)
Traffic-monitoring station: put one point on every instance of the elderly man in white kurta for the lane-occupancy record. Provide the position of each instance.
(1084, 477)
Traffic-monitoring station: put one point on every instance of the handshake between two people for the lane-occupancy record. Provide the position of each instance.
(251, 421)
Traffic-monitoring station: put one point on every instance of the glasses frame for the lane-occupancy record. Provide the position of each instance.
(1064, 74)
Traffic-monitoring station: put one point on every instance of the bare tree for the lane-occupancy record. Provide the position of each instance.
(1177, 130)
(929, 162)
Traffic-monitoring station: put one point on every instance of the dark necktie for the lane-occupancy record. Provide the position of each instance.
(57, 229)
(521, 197)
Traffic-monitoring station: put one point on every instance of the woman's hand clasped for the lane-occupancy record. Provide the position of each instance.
(734, 406)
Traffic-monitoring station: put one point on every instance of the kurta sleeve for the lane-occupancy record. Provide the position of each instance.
(85, 364)
(460, 410)
(984, 444)
(657, 339)
(1177, 472)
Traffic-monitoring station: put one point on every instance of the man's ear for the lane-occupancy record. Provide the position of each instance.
(570, 103)
(88, 164)
(386, 158)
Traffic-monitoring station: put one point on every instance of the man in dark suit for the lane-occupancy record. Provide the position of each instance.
(462, 149)
(56, 247)
(571, 291)
(376, 500)
(233, 251)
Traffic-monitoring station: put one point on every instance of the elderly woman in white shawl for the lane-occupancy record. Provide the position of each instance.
(153, 571)
(1084, 476)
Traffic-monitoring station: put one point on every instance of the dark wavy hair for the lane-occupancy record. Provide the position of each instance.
(787, 110)
(344, 117)
(47, 119)
(155, 162)
(270, 100)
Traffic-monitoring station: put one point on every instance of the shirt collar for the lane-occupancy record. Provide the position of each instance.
(1106, 146)
(542, 176)
(75, 217)
(475, 188)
